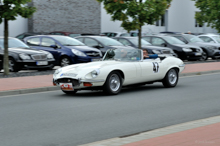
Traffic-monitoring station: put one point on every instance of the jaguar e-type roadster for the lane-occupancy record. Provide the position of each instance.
(118, 68)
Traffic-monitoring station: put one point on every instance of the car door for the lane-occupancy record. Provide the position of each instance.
(150, 69)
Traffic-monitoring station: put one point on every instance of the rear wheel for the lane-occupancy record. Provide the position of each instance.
(113, 83)
(64, 61)
(171, 78)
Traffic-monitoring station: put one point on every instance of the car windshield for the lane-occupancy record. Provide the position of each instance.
(126, 55)
(135, 42)
(68, 41)
(109, 41)
(13, 43)
(193, 39)
(217, 38)
(173, 40)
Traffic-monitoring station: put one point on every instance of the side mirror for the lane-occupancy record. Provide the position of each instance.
(54, 46)
(164, 45)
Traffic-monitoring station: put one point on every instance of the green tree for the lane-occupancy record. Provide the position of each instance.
(135, 13)
(209, 13)
(9, 10)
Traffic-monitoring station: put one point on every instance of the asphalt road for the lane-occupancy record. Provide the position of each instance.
(56, 119)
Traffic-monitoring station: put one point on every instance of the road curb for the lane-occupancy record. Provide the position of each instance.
(53, 88)
(31, 90)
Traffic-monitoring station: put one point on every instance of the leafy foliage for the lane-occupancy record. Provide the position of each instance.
(135, 13)
(209, 13)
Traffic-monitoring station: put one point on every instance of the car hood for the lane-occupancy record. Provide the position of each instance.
(120, 47)
(26, 51)
(83, 48)
(187, 46)
(155, 48)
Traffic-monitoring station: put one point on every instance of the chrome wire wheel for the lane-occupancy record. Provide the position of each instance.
(64, 62)
(172, 76)
(114, 82)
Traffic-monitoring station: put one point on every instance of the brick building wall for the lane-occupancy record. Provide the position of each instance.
(80, 16)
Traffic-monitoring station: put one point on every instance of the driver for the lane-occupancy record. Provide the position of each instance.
(147, 56)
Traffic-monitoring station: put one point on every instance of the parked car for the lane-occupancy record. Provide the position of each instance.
(133, 42)
(102, 43)
(21, 56)
(117, 70)
(27, 34)
(70, 34)
(209, 49)
(210, 38)
(66, 50)
(115, 34)
(183, 51)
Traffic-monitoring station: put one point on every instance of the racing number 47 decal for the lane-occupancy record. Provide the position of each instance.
(155, 67)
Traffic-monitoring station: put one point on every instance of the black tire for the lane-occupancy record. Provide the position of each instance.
(113, 83)
(70, 92)
(204, 56)
(64, 61)
(13, 66)
(171, 78)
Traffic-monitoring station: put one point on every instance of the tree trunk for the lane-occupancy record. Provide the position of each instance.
(6, 68)
(139, 37)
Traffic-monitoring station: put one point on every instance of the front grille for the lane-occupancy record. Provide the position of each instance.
(166, 51)
(39, 57)
(69, 80)
(93, 54)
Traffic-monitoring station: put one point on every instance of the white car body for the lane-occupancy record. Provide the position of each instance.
(210, 38)
(131, 72)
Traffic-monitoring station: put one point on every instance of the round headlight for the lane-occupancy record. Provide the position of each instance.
(95, 73)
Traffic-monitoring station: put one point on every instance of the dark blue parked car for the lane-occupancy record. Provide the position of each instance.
(66, 50)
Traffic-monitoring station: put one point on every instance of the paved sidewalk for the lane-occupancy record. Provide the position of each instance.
(205, 132)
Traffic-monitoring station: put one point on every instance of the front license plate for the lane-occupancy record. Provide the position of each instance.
(95, 59)
(42, 63)
(66, 86)
(198, 54)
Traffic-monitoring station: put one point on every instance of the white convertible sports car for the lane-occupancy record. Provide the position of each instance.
(118, 68)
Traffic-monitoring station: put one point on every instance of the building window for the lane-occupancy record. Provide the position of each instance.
(161, 22)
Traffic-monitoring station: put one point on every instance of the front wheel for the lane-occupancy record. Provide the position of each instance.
(13, 66)
(204, 56)
(64, 61)
(113, 83)
(171, 78)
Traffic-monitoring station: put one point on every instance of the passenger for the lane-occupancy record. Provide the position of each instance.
(147, 56)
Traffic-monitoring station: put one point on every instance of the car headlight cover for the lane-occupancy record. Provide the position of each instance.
(187, 50)
(78, 53)
(49, 56)
(58, 71)
(24, 56)
(95, 73)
